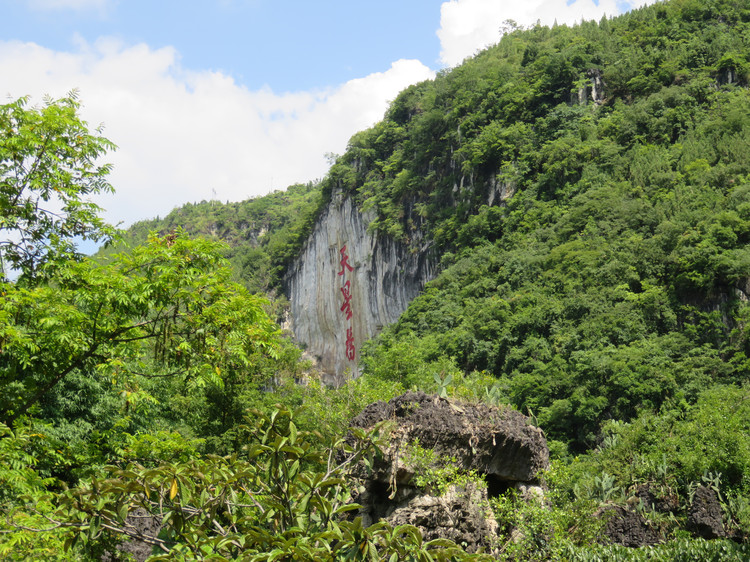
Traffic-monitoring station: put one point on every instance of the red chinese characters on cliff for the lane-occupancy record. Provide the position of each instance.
(344, 261)
(350, 351)
(346, 306)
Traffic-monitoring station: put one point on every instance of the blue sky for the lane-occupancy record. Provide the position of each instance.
(230, 99)
(287, 45)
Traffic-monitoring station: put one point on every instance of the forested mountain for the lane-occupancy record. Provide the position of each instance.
(585, 191)
(262, 233)
(616, 276)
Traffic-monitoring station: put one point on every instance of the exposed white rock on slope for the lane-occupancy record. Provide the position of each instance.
(386, 275)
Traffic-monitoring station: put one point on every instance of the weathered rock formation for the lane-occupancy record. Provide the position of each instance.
(593, 89)
(143, 529)
(461, 514)
(348, 283)
(628, 528)
(705, 518)
(499, 444)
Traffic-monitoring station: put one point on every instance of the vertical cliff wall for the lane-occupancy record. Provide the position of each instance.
(347, 284)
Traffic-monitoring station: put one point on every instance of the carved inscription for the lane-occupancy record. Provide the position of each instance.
(346, 306)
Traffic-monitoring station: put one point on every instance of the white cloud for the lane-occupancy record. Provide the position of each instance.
(186, 135)
(467, 26)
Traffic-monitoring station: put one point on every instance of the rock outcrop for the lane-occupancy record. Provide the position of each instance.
(628, 528)
(143, 529)
(460, 514)
(705, 518)
(497, 443)
(594, 89)
(348, 283)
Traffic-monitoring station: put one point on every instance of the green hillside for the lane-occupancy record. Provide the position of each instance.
(608, 297)
(615, 279)
(586, 192)
(263, 234)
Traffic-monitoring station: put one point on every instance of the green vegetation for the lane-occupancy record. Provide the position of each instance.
(586, 191)
(263, 234)
(606, 295)
(614, 279)
(48, 168)
(519, 115)
(681, 550)
(127, 381)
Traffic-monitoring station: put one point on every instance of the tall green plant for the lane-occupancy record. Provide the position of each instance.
(49, 167)
(169, 304)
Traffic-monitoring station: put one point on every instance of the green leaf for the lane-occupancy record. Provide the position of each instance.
(123, 511)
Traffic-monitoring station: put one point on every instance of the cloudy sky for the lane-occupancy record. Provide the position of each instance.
(229, 99)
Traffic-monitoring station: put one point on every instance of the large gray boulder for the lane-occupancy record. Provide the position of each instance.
(498, 444)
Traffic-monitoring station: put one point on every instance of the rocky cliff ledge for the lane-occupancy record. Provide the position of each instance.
(347, 283)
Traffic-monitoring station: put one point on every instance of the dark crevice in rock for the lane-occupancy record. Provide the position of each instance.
(496, 487)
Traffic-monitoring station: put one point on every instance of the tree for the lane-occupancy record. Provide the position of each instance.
(49, 166)
(164, 309)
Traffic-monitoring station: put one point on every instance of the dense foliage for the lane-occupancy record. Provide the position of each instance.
(48, 168)
(263, 233)
(614, 279)
(126, 382)
(520, 115)
(586, 191)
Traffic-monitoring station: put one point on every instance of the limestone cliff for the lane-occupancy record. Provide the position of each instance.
(347, 283)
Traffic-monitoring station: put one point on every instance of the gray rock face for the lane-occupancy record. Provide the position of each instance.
(460, 515)
(143, 529)
(382, 278)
